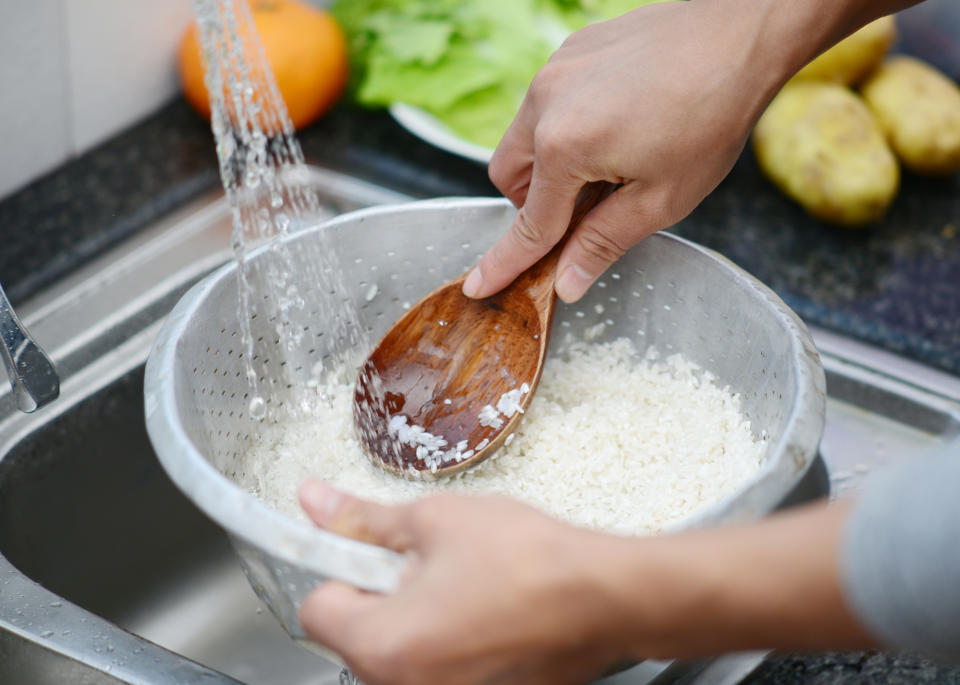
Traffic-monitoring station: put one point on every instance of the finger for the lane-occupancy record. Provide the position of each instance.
(355, 518)
(538, 226)
(601, 238)
(511, 166)
(330, 609)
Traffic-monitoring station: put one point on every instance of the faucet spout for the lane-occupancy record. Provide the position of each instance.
(32, 376)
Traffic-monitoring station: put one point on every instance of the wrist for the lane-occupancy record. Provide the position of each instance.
(773, 39)
(792, 32)
(657, 592)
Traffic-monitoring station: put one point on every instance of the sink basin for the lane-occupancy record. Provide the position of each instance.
(108, 574)
(87, 512)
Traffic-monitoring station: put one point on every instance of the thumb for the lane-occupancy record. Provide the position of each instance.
(601, 238)
(537, 226)
(355, 518)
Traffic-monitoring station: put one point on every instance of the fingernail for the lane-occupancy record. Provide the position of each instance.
(471, 286)
(573, 283)
(322, 501)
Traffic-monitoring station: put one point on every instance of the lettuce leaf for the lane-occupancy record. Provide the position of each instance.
(468, 62)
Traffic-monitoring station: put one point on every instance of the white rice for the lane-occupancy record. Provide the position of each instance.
(611, 442)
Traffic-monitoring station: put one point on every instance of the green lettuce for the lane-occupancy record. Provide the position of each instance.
(468, 62)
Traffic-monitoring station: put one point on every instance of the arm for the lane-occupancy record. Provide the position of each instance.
(497, 592)
(661, 100)
(770, 585)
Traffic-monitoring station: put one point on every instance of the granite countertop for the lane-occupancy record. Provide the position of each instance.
(896, 284)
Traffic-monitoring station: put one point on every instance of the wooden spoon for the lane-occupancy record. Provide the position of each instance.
(450, 360)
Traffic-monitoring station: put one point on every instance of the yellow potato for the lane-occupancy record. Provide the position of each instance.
(850, 60)
(819, 143)
(918, 109)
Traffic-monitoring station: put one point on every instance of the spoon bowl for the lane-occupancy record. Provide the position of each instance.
(450, 380)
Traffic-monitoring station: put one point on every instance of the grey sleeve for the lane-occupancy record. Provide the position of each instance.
(900, 555)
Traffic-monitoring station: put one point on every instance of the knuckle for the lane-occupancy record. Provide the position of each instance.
(497, 171)
(601, 242)
(658, 208)
(551, 144)
(528, 234)
(504, 175)
(570, 140)
(540, 86)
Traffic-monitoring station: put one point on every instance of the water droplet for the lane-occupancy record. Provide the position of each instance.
(56, 604)
(282, 222)
(276, 200)
(46, 633)
(257, 408)
(226, 146)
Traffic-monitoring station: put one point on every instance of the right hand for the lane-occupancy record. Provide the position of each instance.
(660, 100)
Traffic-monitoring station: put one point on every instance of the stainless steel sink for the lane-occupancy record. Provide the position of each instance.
(108, 574)
(87, 512)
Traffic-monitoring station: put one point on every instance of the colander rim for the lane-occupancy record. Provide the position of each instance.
(377, 568)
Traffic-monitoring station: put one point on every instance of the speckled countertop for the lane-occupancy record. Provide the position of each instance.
(896, 285)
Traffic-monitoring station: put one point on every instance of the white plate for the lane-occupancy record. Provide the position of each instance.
(427, 127)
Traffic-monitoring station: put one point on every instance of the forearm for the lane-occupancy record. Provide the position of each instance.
(776, 38)
(774, 584)
(802, 29)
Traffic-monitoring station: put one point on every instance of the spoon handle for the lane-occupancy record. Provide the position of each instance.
(541, 275)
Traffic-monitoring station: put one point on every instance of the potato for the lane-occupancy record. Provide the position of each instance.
(918, 108)
(819, 143)
(850, 60)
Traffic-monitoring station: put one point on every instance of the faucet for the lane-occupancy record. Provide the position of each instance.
(34, 380)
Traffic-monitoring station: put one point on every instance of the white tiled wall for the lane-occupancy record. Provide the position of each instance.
(120, 62)
(34, 119)
(75, 72)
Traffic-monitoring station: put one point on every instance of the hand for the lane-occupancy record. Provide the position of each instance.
(660, 100)
(494, 591)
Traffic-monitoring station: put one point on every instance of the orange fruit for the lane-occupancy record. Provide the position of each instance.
(306, 50)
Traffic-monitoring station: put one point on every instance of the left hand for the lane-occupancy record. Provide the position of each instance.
(494, 592)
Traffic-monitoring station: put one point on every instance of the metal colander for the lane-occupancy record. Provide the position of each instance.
(666, 292)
